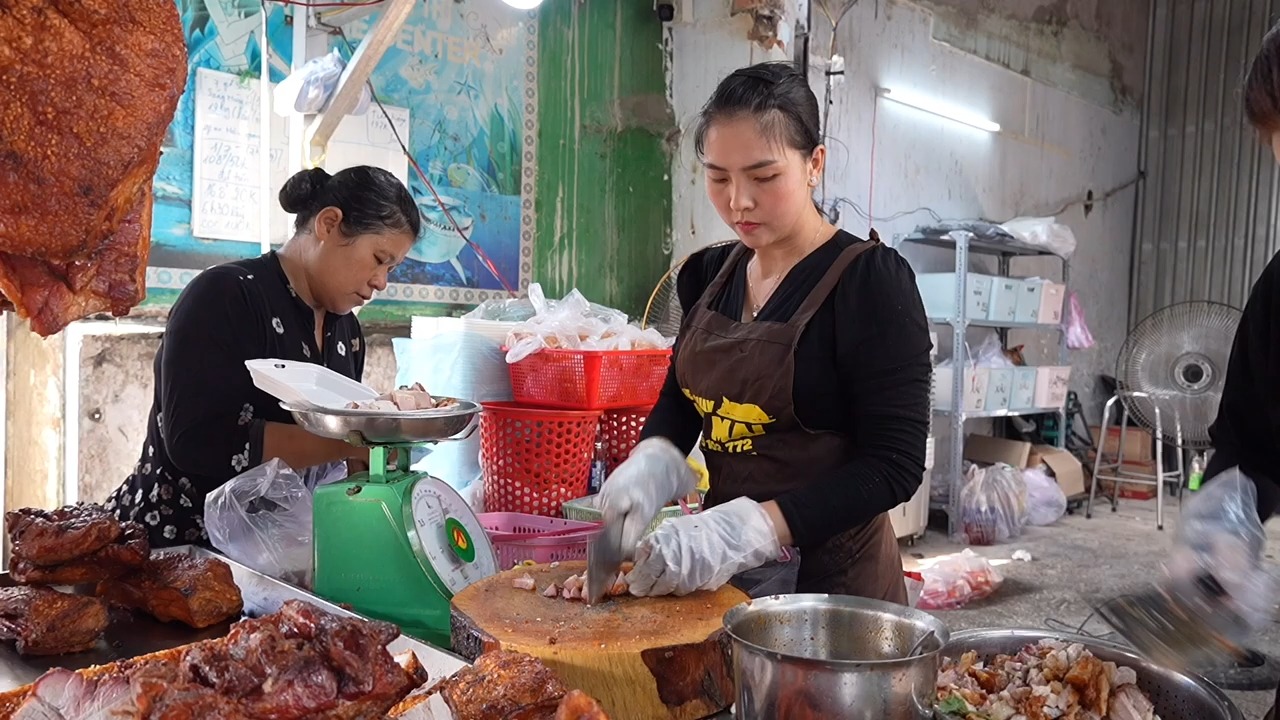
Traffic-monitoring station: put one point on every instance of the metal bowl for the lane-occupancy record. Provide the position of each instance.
(364, 427)
(1176, 695)
(833, 656)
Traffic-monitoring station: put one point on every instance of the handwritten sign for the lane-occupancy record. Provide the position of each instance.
(226, 199)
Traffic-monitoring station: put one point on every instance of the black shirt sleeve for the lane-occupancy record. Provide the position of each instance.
(674, 417)
(882, 354)
(1248, 422)
(205, 383)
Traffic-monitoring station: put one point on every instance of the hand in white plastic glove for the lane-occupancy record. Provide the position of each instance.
(655, 474)
(701, 552)
(1221, 535)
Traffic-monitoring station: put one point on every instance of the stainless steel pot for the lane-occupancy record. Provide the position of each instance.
(833, 657)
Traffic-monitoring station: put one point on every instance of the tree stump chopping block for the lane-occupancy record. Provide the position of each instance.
(642, 658)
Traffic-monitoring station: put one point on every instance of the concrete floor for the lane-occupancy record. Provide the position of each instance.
(1076, 560)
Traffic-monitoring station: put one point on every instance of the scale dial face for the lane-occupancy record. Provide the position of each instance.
(447, 536)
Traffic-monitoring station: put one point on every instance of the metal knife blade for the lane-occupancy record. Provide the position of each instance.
(604, 561)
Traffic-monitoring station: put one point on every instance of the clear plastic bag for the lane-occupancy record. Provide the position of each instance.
(1078, 335)
(1221, 535)
(308, 90)
(575, 324)
(262, 518)
(1045, 233)
(956, 580)
(1046, 503)
(991, 354)
(993, 505)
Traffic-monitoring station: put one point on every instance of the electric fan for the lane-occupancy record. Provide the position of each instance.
(663, 312)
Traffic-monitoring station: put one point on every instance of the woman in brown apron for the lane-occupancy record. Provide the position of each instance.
(803, 363)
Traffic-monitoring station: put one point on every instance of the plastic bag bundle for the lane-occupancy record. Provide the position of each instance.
(956, 580)
(1045, 233)
(262, 518)
(575, 324)
(1046, 503)
(1078, 335)
(991, 354)
(993, 505)
(308, 90)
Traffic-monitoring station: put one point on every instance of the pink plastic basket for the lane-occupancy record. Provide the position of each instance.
(518, 537)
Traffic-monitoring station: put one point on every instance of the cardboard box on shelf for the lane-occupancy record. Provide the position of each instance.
(1137, 443)
(1066, 469)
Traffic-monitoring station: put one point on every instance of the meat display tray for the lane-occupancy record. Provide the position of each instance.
(131, 633)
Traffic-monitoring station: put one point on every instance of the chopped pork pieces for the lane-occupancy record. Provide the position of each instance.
(406, 399)
(573, 587)
(1051, 680)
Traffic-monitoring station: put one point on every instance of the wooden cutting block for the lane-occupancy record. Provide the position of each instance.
(642, 658)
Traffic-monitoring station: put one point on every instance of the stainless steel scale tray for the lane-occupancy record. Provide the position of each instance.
(131, 634)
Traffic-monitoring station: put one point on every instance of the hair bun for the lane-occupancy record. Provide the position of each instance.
(302, 191)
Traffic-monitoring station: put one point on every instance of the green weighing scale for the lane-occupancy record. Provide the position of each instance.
(391, 543)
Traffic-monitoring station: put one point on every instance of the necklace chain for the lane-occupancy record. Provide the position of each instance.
(774, 279)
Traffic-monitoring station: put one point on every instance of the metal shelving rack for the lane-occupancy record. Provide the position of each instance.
(963, 243)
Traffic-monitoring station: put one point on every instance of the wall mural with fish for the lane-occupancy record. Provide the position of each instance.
(467, 73)
(222, 35)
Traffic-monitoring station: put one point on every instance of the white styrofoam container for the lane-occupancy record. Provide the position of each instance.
(999, 389)
(1023, 394)
(424, 327)
(929, 452)
(1052, 383)
(306, 383)
(974, 398)
(1028, 310)
(1004, 299)
(1051, 299)
(938, 291)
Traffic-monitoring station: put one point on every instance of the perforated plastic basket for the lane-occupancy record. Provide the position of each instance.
(620, 431)
(519, 537)
(584, 509)
(533, 459)
(590, 379)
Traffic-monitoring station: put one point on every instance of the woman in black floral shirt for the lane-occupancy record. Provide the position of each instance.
(208, 421)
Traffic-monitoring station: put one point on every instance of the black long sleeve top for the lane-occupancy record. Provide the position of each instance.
(870, 342)
(207, 419)
(1246, 432)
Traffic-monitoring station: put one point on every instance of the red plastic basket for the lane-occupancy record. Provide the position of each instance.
(534, 459)
(518, 537)
(590, 379)
(620, 431)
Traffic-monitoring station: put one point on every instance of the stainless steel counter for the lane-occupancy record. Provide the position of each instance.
(131, 634)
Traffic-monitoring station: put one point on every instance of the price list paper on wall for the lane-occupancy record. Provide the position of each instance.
(226, 177)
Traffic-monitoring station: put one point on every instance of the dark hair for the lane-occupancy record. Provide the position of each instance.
(777, 95)
(1262, 85)
(371, 199)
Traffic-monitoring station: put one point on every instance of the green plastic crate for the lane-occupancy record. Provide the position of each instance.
(585, 509)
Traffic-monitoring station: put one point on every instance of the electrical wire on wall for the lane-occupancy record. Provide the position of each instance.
(413, 162)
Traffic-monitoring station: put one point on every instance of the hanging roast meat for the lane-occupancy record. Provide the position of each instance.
(89, 88)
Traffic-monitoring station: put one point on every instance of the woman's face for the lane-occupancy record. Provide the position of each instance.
(345, 272)
(760, 187)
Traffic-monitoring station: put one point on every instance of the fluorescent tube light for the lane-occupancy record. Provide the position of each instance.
(941, 110)
(523, 4)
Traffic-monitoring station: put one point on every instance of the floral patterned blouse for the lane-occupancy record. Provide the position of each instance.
(207, 417)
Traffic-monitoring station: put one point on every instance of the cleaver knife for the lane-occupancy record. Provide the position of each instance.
(604, 561)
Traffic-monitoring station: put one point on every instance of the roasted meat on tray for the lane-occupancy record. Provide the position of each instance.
(175, 586)
(295, 664)
(72, 545)
(48, 622)
(90, 87)
(504, 684)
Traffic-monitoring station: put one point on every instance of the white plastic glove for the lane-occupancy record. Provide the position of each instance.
(653, 475)
(1220, 534)
(701, 552)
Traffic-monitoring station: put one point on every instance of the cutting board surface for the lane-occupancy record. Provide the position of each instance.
(663, 657)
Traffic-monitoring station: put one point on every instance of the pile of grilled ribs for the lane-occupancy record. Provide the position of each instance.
(85, 544)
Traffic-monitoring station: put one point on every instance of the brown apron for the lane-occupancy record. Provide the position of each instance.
(739, 375)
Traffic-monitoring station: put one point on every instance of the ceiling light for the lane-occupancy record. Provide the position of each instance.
(940, 109)
(523, 4)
